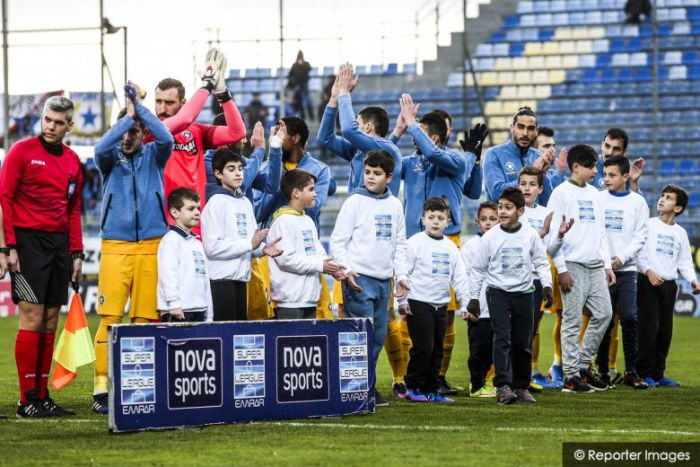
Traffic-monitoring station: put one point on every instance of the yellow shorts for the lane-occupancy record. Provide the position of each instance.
(557, 304)
(323, 308)
(453, 305)
(128, 270)
(258, 291)
(338, 292)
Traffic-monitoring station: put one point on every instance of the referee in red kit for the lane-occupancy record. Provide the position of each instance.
(40, 194)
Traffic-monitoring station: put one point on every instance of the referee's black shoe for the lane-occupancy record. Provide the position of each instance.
(33, 408)
(55, 409)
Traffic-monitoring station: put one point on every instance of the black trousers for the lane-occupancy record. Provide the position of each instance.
(480, 351)
(229, 300)
(308, 312)
(655, 309)
(512, 323)
(623, 296)
(190, 317)
(426, 326)
(537, 313)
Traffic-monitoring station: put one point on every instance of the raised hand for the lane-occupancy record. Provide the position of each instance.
(546, 224)
(257, 137)
(561, 163)
(475, 140)
(565, 226)
(345, 79)
(213, 76)
(636, 169)
(409, 110)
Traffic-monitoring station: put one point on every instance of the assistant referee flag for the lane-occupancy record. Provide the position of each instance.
(74, 348)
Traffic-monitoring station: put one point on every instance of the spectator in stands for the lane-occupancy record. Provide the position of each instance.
(635, 9)
(298, 84)
(255, 112)
(502, 163)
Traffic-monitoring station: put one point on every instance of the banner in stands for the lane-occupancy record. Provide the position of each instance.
(180, 375)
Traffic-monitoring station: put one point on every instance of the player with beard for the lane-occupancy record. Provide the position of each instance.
(502, 163)
(186, 166)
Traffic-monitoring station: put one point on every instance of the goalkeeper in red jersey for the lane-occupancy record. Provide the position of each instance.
(186, 164)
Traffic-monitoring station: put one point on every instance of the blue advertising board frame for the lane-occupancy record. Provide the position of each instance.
(164, 376)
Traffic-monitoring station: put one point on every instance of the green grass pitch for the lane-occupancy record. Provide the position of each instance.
(470, 432)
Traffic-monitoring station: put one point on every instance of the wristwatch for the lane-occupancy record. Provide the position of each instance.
(5, 250)
(78, 255)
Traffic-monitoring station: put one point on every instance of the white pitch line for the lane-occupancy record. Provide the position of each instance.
(370, 426)
(466, 428)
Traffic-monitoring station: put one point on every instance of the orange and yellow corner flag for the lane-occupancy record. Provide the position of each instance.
(74, 347)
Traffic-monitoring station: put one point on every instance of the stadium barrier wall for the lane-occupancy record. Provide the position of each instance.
(183, 375)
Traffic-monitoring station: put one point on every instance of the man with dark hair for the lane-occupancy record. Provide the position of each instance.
(614, 144)
(432, 171)
(186, 166)
(256, 111)
(133, 222)
(41, 186)
(367, 132)
(502, 163)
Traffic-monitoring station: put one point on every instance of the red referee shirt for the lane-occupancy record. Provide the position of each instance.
(34, 191)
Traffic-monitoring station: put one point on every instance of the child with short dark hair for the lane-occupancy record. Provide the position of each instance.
(369, 240)
(626, 216)
(585, 271)
(434, 265)
(479, 328)
(295, 282)
(504, 262)
(665, 254)
(183, 284)
(231, 238)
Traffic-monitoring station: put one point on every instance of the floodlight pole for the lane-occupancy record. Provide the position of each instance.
(102, 69)
(5, 79)
(282, 83)
(655, 95)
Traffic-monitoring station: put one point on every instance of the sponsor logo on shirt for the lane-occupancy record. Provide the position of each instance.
(187, 147)
(586, 212)
(441, 264)
(419, 167)
(309, 244)
(37, 162)
(613, 220)
(536, 224)
(199, 267)
(665, 245)
(510, 168)
(382, 227)
(512, 260)
(241, 225)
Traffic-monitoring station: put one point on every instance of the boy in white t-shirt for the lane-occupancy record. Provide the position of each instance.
(505, 262)
(626, 215)
(434, 265)
(369, 240)
(183, 284)
(479, 329)
(231, 238)
(665, 254)
(295, 282)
